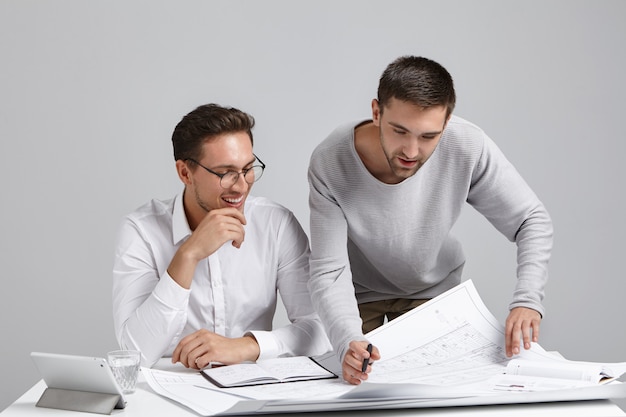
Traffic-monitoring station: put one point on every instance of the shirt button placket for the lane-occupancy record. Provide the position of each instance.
(218, 294)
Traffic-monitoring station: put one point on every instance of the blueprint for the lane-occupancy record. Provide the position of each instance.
(448, 351)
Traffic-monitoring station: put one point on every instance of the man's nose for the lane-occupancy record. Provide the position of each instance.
(411, 148)
(240, 185)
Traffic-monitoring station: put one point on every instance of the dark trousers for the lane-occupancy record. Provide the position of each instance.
(373, 313)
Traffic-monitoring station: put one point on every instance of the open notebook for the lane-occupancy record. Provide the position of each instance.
(268, 371)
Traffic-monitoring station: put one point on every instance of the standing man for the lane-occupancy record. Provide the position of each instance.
(384, 195)
(196, 277)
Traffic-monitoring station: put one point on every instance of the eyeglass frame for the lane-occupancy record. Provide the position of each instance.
(243, 171)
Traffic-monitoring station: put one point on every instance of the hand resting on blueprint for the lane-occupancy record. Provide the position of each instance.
(521, 324)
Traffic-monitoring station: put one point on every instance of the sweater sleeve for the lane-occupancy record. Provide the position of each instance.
(499, 193)
(331, 287)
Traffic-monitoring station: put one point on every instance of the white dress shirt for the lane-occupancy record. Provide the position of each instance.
(234, 291)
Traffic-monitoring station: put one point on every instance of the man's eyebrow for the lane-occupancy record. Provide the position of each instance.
(233, 166)
(399, 126)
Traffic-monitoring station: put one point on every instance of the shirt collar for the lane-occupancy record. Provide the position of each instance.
(180, 225)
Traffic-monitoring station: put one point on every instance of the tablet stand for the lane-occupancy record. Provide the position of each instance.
(90, 402)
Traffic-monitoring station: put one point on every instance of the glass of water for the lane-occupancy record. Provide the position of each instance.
(125, 367)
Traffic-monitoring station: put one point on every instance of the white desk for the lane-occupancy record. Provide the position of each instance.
(144, 402)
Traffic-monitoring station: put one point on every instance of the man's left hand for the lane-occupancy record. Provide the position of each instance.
(522, 323)
(199, 349)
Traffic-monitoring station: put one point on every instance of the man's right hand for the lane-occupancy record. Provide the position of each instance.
(353, 362)
(218, 227)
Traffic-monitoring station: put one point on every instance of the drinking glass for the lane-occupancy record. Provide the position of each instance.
(125, 367)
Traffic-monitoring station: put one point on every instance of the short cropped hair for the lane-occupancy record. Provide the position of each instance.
(204, 123)
(419, 81)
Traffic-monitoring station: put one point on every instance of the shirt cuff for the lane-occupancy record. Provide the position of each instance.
(171, 294)
(268, 345)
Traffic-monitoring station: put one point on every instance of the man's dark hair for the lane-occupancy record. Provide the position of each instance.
(419, 81)
(204, 123)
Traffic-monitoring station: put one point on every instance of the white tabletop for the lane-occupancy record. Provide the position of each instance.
(144, 402)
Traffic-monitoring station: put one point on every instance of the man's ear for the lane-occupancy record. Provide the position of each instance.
(446, 122)
(376, 112)
(183, 171)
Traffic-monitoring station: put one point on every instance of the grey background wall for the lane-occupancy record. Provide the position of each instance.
(90, 92)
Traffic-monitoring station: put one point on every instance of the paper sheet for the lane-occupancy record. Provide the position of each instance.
(448, 351)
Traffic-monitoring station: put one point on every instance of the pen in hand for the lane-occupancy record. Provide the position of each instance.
(366, 361)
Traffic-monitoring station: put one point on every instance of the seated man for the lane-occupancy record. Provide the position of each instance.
(196, 277)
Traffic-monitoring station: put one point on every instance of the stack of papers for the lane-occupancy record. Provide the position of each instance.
(446, 352)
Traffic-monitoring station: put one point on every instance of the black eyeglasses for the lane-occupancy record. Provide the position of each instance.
(229, 178)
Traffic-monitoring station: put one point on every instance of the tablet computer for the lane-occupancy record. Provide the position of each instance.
(78, 373)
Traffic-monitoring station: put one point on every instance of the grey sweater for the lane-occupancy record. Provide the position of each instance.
(379, 241)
